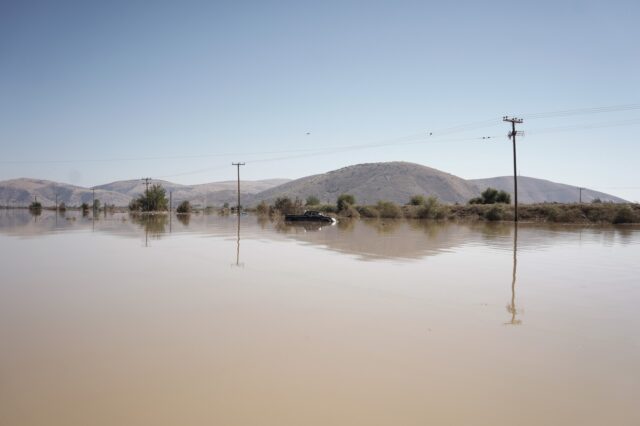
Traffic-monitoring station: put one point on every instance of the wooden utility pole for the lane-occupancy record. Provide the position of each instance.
(512, 134)
(238, 166)
(146, 183)
(580, 197)
(93, 202)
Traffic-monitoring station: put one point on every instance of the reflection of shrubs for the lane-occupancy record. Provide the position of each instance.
(62, 207)
(184, 219)
(85, 208)
(492, 196)
(184, 207)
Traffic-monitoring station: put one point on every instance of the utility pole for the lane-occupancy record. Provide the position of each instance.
(93, 202)
(512, 135)
(146, 183)
(580, 198)
(238, 205)
(56, 201)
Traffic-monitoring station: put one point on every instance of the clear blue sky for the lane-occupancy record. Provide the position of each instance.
(86, 81)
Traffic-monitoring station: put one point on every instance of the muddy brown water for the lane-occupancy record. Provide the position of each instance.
(175, 321)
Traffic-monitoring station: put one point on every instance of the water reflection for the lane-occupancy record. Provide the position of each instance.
(367, 239)
(238, 264)
(154, 225)
(511, 307)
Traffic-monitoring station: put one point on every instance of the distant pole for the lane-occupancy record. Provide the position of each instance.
(580, 198)
(238, 166)
(93, 197)
(56, 201)
(146, 183)
(512, 134)
(170, 201)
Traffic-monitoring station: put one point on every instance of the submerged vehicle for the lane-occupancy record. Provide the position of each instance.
(309, 216)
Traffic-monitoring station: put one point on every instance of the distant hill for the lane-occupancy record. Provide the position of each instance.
(21, 192)
(368, 183)
(211, 194)
(532, 190)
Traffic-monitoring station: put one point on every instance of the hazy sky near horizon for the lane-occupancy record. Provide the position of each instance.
(93, 92)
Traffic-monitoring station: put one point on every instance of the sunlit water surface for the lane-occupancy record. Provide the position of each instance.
(118, 321)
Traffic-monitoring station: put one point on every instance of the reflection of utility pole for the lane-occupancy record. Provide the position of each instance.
(238, 205)
(512, 134)
(580, 198)
(238, 264)
(511, 308)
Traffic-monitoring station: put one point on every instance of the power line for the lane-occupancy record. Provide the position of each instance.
(465, 127)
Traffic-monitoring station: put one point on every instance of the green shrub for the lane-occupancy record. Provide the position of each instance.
(153, 199)
(263, 208)
(327, 208)
(345, 200)
(624, 214)
(418, 200)
(431, 209)
(285, 206)
(35, 207)
(312, 201)
(495, 213)
(368, 212)
(350, 211)
(389, 210)
(492, 196)
(184, 207)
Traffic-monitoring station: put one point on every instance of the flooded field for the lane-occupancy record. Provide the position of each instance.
(210, 321)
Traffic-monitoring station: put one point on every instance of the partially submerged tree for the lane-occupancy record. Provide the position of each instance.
(184, 207)
(35, 207)
(285, 206)
(154, 199)
(344, 201)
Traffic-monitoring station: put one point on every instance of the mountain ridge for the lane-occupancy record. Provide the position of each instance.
(394, 181)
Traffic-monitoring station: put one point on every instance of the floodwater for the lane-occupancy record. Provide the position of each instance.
(118, 321)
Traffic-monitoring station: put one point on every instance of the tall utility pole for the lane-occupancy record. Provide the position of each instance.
(93, 202)
(512, 134)
(238, 166)
(580, 198)
(56, 201)
(146, 183)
